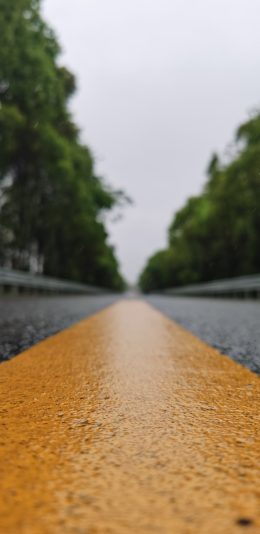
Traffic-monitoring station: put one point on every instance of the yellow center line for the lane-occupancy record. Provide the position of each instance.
(126, 423)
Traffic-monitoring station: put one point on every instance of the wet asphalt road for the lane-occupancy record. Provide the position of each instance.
(232, 326)
(25, 320)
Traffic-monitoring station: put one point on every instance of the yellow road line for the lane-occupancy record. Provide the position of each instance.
(126, 423)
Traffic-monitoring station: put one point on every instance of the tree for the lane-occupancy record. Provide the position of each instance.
(216, 234)
(157, 273)
(51, 199)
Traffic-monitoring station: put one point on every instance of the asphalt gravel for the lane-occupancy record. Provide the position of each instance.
(231, 326)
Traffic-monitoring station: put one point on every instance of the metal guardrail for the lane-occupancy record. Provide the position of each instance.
(22, 281)
(243, 286)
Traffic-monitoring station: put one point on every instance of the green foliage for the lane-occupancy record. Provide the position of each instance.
(157, 273)
(51, 202)
(217, 234)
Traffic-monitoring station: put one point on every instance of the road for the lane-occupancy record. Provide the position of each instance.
(25, 320)
(231, 326)
(126, 423)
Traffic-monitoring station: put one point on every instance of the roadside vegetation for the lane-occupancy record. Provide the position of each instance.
(216, 234)
(52, 203)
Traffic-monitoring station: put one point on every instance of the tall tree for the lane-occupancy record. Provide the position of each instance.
(216, 234)
(51, 199)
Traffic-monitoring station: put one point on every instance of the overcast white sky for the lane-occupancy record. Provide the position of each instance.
(161, 85)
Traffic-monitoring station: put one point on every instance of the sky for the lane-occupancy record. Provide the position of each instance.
(162, 84)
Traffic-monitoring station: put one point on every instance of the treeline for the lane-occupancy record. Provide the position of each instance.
(52, 204)
(216, 234)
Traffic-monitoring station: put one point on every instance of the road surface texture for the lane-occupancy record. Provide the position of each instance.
(26, 320)
(126, 423)
(231, 326)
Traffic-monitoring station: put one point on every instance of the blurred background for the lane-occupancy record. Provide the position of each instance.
(165, 113)
(130, 149)
(163, 87)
